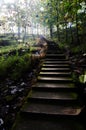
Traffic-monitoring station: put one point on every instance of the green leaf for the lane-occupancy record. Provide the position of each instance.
(82, 78)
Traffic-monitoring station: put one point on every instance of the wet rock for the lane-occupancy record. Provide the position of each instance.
(1, 124)
(13, 91)
(23, 84)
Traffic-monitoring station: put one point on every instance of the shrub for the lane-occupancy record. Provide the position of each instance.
(14, 66)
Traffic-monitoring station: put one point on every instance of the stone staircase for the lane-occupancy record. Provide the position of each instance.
(53, 102)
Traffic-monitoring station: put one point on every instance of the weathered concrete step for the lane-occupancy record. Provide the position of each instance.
(52, 46)
(55, 79)
(55, 61)
(52, 69)
(54, 86)
(29, 122)
(58, 55)
(54, 74)
(58, 96)
(59, 101)
(54, 52)
(50, 109)
(61, 56)
(56, 65)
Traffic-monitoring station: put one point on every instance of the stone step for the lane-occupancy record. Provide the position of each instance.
(52, 69)
(53, 85)
(56, 61)
(55, 52)
(59, 56)
(54, 45)
(54, 74)
(51, 109)
(56, 65)
(53, 48)
(53, 95)
(50, 86)
(28, 122)
(55, 79)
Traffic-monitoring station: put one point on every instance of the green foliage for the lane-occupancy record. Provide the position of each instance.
(14, 66)
(82, 78)
(78, 48)
(3, 69)
(21, 66)
(62, 12)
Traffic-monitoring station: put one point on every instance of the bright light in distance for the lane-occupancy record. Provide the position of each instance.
(42, 9)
